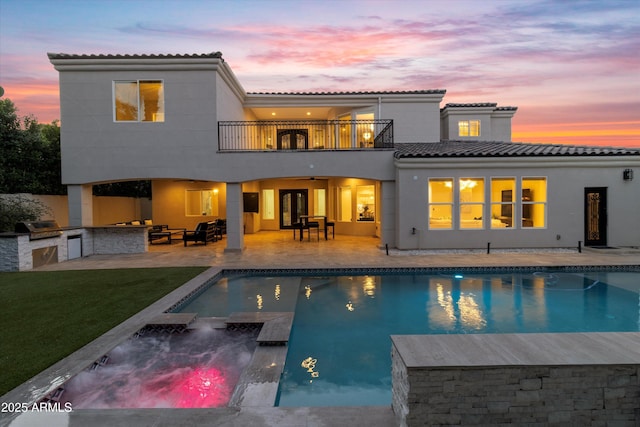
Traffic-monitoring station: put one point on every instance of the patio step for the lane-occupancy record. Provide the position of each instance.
(275, 327)
(170, 322)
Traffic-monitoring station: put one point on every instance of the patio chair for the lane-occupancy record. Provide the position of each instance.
(332, 225)
(221, 225)
(311, 225)
(204, 232)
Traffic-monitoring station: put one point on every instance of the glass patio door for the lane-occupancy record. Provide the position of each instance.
(293, 139)
(293, 204)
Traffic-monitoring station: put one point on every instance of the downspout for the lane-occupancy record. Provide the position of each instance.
(379, 107)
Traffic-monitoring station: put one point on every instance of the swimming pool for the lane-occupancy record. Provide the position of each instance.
(339, 348)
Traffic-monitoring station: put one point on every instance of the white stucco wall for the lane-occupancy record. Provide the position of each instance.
(95, 148)
(228, 104)
(566, 181)
(414, 120)
(495, 124)
(451, 123)
(501, 127)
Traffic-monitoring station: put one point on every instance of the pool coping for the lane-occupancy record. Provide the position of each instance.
(47, 381)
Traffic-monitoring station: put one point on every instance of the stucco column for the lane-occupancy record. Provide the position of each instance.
(80, 201)
(235, 218)
(388, 216)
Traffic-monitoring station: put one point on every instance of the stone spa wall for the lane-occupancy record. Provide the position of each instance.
(549, 379)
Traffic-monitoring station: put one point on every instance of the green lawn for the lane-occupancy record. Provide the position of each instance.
(45, 316)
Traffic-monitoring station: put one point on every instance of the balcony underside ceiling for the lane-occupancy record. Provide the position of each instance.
(291, 113)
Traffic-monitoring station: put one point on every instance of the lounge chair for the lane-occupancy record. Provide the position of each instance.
(204, 232)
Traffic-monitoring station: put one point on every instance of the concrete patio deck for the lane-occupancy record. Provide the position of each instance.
(279, 250)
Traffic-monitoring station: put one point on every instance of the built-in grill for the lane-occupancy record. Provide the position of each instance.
(39, 229)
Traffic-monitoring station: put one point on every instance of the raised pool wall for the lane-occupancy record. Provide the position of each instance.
(551, 379)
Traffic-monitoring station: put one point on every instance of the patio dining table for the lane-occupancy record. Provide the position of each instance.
(305, 219)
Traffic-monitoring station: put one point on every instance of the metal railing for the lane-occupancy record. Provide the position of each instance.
(305, 135)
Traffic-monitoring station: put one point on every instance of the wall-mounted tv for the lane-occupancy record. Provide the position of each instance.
(251, 202)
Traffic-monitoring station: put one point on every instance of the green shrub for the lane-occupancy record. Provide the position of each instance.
(17, 207)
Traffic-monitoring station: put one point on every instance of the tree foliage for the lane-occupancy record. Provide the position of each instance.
(30, 160)
(124, 189)
(29, 154)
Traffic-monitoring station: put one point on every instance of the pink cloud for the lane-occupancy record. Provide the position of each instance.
(36, 97)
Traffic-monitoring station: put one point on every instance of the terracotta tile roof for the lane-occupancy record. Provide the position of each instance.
(399, 92)
(504, 149)
(133, 56)
(471, 105)
(479, 105)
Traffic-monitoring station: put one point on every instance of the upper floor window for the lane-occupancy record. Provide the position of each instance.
(139, 101)
(469, 128)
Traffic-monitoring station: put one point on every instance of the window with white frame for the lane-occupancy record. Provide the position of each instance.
(366, 202)
(534, 202)
(268, 204)
(343, 204)
(138, 101)
(319, 202)
(503, 191)
(441, 203)
(469, 128)
(471, 192)
(201, 202)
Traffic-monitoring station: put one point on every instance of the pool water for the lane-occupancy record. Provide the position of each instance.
(339, 348)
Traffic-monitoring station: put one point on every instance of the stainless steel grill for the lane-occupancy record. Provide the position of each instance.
(39, 229)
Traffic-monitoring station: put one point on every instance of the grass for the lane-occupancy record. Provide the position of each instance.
(45, 316)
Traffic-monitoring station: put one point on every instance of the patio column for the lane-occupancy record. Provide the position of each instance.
(80, 201)
(235, 222)
(388, 216)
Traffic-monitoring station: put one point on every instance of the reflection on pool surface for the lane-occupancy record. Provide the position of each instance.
(339, 349)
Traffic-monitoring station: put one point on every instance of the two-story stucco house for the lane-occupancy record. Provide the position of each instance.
(394, 164)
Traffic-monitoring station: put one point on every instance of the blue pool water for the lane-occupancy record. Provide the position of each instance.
(339, 349)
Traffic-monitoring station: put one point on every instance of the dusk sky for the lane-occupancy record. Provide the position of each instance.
(571, 67)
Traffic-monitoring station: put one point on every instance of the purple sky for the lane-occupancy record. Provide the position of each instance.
(571, 67)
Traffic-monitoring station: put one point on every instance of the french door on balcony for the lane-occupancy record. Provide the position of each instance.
(293, 204)
(293, 139)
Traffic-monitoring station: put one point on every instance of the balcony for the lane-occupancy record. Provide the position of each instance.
(300, 135)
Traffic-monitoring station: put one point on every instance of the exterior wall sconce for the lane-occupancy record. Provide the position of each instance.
(627, 174)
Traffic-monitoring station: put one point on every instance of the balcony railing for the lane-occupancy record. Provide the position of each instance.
(305, 135)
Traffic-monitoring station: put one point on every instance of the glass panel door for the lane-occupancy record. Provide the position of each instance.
(293, 204)
(595, 216)
(293, 139)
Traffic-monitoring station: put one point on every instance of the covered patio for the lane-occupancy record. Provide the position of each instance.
(278, 249)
